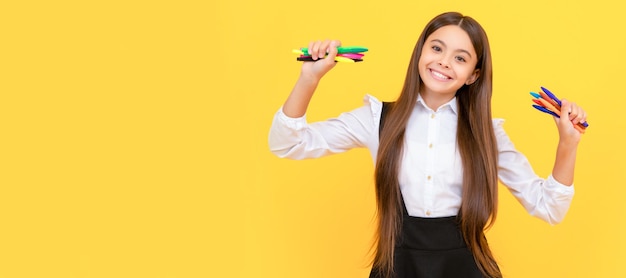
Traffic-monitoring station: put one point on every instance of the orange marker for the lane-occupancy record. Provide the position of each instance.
(548, 99)
(549, 106)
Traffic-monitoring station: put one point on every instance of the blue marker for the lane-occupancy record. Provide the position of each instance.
(545, 110)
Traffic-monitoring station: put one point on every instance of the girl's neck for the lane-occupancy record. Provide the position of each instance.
(434, 100)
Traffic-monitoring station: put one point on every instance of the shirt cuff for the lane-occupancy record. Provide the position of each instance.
(553, 184)
(292, 123)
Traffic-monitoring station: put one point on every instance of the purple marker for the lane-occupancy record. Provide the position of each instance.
(551, 95)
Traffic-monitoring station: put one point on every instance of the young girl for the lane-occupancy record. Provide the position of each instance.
(438, 153)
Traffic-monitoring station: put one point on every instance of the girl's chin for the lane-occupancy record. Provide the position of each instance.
(440, 87)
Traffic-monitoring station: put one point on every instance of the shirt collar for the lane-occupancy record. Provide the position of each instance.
(450, 104)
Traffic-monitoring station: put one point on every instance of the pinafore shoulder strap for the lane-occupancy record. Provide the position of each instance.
(383, 113)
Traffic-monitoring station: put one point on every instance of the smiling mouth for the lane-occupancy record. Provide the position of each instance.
(439, 75)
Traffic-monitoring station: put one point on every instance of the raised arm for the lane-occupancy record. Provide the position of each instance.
(310, 75)
(569, 137)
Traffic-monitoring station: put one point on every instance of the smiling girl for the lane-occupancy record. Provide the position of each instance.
(438, 153)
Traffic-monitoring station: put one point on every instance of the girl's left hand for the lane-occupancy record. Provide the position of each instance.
(571, 114)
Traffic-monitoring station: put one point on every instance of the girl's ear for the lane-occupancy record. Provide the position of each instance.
(473, 77)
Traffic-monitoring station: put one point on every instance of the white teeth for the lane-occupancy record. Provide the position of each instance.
(439, 75)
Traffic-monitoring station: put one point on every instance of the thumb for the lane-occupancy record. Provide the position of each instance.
(566, 109)
(564, 115)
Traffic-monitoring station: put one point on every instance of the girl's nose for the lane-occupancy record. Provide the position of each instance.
(443, 62)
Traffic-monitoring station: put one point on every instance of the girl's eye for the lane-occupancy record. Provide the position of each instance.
(436, 48)
(460, 59)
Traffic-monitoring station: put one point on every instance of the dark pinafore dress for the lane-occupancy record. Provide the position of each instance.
(431, 248)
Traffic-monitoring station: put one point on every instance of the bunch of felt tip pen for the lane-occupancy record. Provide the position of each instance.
(349, 54)
(545, 101)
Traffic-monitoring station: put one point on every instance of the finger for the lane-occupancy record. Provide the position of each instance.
(583, 119)
(573, 111)
(332, 49)
(579, 114)
(313, 48)
(323, 49)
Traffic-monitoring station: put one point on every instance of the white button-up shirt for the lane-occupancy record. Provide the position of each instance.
(431, 172)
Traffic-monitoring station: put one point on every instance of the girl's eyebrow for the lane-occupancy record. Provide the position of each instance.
(444, 44)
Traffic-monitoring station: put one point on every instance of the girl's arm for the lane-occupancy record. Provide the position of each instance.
(291, 136)
(569, 138)
(312, 72)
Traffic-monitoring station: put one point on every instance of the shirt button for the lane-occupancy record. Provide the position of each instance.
(428, 177)
(430, 146)
(432, 116)
(428, 213)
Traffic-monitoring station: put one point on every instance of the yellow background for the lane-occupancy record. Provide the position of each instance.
(134, 135)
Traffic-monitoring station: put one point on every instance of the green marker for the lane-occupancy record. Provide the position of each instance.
(340, 50)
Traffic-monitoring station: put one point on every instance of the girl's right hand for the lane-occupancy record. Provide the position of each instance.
(324, 63)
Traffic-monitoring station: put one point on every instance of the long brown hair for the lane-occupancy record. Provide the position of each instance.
(477, 147)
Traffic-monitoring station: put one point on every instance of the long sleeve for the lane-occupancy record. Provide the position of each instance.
(295, 138)
(546, 198)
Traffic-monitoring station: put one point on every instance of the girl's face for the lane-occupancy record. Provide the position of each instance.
(447, 62)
